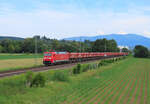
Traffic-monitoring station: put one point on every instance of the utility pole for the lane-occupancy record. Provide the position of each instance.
(80, 49)
(36, 51)
(80, 46)
(105, 45)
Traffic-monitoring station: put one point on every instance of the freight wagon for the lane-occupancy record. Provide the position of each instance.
(60, 57)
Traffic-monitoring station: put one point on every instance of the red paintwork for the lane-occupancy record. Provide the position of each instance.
(65, 56)
(56, 57)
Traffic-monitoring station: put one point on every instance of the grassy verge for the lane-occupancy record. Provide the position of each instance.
(80, 88)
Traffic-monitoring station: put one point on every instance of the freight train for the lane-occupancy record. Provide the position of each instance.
(51, 58)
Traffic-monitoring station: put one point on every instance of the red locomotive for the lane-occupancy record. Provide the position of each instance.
(56, 57)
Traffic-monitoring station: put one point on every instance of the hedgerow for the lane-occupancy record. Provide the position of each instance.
(108, 61)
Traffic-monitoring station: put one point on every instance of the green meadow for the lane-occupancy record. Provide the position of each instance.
(122, 82)
(19, 56)
(19, 61)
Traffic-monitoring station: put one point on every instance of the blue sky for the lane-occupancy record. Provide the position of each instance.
(67, 18)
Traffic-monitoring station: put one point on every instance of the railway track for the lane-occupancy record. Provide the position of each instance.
(43, 68)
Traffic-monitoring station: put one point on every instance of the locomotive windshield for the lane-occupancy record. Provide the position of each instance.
(47, 54)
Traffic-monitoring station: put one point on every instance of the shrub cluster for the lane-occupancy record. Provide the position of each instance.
(77, 69)
(105, 62)
(108, 61)
(35, 80)
(141, 51)
(83, 68)
(60, 76)
(29, 78)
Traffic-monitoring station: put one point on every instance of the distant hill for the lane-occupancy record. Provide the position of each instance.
(129, 40)
(11, 38)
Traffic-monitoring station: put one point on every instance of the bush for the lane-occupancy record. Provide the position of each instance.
(101, 63)
(109, 61)
(93, 66)
(114, 59)
(105, 62)
(140, 51)
(85, 67)
(60, 76)
(29, 78)
(77, 69)
(39, 80)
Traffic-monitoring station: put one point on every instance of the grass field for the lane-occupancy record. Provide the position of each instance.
(19, 56)
(123, 82)
(19, 61)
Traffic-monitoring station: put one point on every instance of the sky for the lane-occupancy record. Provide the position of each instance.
(68, 18)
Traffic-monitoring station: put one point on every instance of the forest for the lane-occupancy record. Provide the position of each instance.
(42, 44)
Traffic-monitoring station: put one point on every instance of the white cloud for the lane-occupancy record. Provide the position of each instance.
(122, 32)
(146, 33)
(100, 32)
(61, 24)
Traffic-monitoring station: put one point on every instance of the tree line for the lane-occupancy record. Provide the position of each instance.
(141, 51)
(46, 44)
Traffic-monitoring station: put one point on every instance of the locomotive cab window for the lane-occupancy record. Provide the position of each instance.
(61, 52)
(47, 54)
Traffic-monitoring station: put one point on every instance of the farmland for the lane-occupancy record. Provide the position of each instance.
(18, 61)
(19, 56)
(122, 82)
